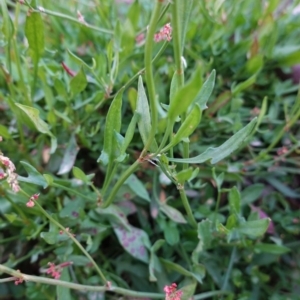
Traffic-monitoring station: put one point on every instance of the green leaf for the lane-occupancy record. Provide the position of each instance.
(171, 233)
(174, 214)
(112, 125)
(184, 175)
(244, 85)
(133, 241)
(49, 179)
(184, 97)
(154, 264)
(137, 187)
(81, 62)
(4, 132)
(282, 188)
(184, 10)
(33, 175)
(254, 228)
(199, 272)
(174, 86)
(78, 83)
(271, 248)
(49, 237)
(217, 154)
(79, 174)
(188, 126)
(69, 156)
(34, 31)
(39, 124)
(204, 234)
(287, 55)
(188, 290)
(234, 200)
(144, 122)
(206, 90)
(157, 245)
(130, 132)
(252, 193)
(179, 269)
(64, 293)
(7, 24)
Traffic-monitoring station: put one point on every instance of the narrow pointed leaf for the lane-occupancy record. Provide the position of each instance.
(174, 214)
(188, 126)
(34, 176)
(184, 97)
(69, 156)
(185, 9)
(78, 82)
(219, 153)
(34, 31)
(130, 132)
(112, 125)
(40, 125)
(142, 108)
(206, 90)
(254, 228)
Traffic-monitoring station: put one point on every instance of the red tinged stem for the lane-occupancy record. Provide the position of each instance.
(68, 70)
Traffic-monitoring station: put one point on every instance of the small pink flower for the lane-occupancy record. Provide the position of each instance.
(140, 39)
(2, 175)
(172, 293)
(7, 168)
(30, 203)
(165, 34)
(55, 271)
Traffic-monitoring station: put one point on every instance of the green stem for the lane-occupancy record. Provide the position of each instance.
(167, 133)
(75, 286)
(229, 269)
(120, 182)
(180, 80)
(66, 17)
(179, 68)
(109, 178)
(187, 208)
(280, 134)
(74, 240)
(72, 191)
(149, 71)
(134, 77)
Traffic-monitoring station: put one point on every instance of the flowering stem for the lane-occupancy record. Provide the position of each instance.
(74, 240)
(149, 71)
(66, 17)
(179, 68)
(75, 286)
(180, 80)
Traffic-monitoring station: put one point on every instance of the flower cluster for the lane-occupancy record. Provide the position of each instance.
(165, 34)
(172, 293)
(7, 169)
(55, 271)
(30, 203)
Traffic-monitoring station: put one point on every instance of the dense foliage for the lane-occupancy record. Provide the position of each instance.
(116, 172)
